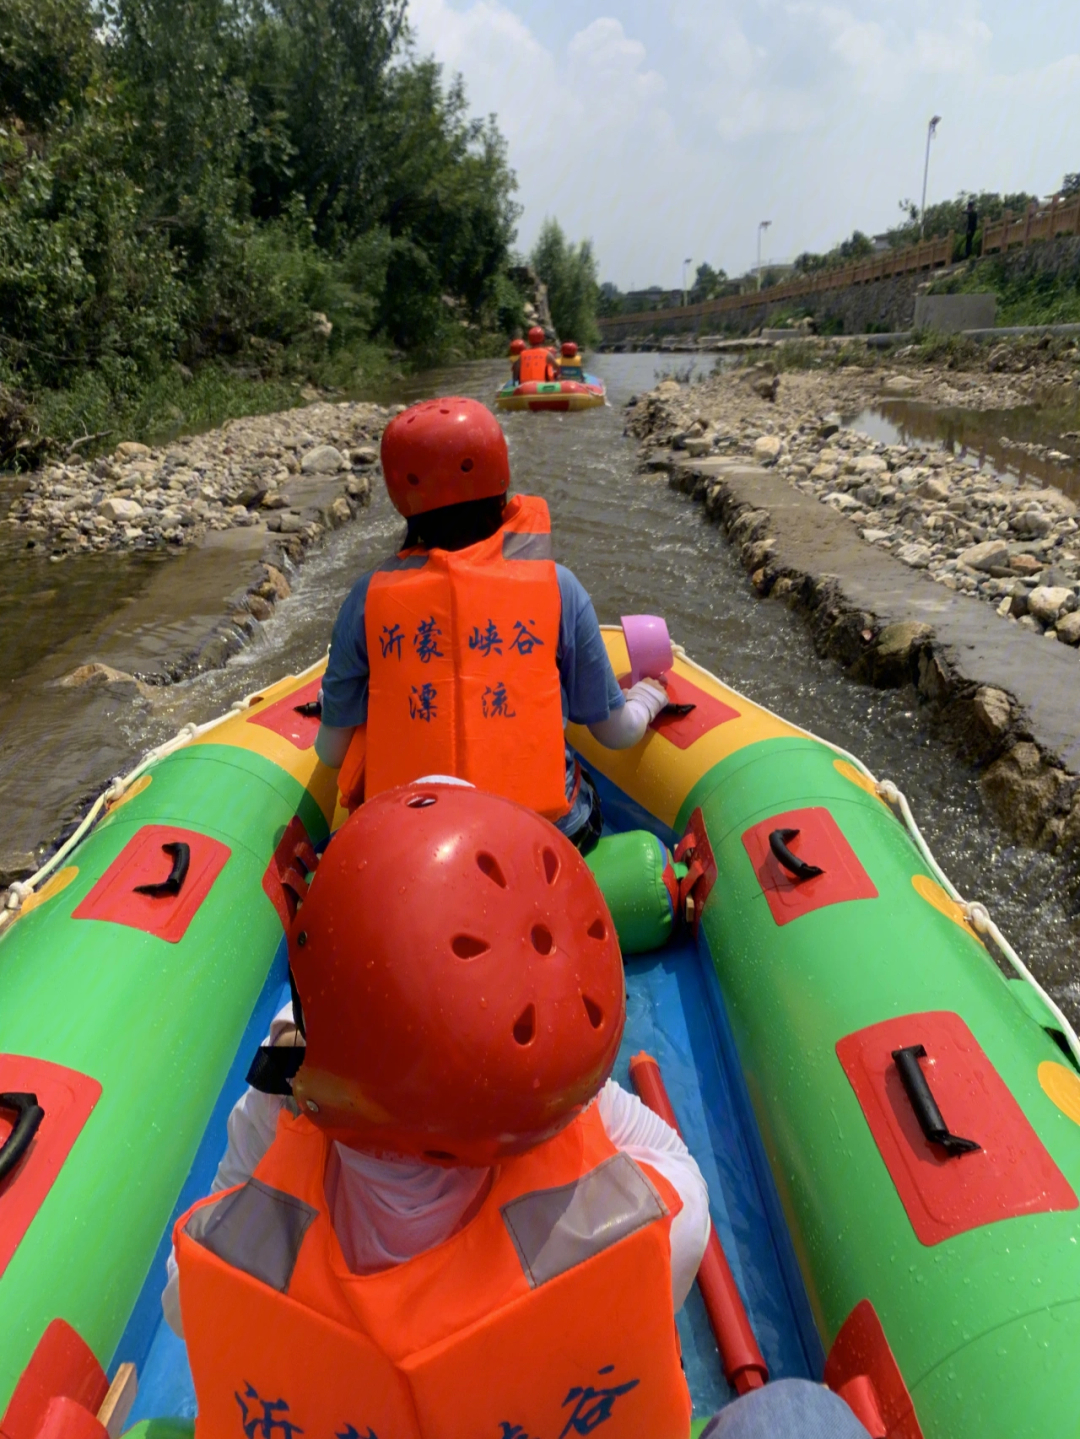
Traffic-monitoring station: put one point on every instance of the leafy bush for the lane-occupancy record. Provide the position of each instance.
(280, 184)
(569, 272)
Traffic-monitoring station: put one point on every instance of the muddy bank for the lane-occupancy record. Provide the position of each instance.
(254, 495)
(1004, 692)
(259, 491)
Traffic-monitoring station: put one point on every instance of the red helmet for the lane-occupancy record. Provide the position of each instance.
(569, 349)
(516, 346)
(442, 452)
(460, 979)
(536, 335)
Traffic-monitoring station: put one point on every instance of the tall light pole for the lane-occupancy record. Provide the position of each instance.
(763, 225)
(686, 262)
(931, 131)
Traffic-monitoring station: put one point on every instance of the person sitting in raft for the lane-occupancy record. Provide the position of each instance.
(570, 363)
(537, 362)
(467, 652)
(459, 1223)
(516, 349)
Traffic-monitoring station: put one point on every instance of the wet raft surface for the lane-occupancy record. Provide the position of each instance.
(673, 1013)
(639, 547)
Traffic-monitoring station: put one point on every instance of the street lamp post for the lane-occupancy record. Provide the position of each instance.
(931, 131)
(763, 225)
(684, 265)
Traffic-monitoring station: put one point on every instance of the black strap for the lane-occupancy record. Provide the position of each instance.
(274, 1068)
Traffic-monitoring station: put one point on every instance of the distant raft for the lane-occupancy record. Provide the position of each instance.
(585, 394)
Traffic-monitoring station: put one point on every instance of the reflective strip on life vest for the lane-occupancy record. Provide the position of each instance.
(554, 1230)
(256, 1229)
(508, 1322)
(528, 546)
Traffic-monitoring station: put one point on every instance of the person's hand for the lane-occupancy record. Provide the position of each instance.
(650, 694)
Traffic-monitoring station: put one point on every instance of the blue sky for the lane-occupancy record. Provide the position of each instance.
(664, 130)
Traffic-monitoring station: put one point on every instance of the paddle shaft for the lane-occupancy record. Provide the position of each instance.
(744, 1366)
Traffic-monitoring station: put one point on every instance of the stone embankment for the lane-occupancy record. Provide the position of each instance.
(911, 565)
(292, 475)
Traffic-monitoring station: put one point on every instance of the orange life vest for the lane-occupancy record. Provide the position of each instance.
(547, 1314)
(464, 679)
(535, 365)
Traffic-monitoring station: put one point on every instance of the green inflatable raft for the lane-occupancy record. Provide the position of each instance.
(889, 1121)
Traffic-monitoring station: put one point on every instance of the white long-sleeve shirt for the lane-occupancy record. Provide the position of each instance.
(386, 1211)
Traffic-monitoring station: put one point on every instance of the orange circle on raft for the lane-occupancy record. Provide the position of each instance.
(1062, 1087)
(929, 889)
(136, 787)
(60, 880)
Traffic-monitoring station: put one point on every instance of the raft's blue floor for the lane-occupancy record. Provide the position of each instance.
(674, 1012)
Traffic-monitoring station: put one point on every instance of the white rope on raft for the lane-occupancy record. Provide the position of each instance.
(975, 912)
(21, 890)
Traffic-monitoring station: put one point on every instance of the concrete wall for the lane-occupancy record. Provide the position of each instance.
(880, 305)
(949, 314)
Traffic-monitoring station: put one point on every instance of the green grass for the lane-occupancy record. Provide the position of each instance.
(1037, 298)
(178, 401)
(167, 405)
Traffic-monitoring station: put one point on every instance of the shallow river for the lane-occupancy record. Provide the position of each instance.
(635, 544)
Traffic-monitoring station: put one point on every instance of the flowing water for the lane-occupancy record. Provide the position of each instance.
(636, 545)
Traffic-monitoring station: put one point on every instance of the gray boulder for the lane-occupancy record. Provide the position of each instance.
(322, 460)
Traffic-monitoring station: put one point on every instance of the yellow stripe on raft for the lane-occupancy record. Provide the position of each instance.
(560, 403)
(303, 765)
(656, 773)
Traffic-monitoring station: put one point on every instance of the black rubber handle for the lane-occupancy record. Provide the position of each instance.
(311, 710)
(680, 710)
(181, 854)
(931, 1120)
(796, 867)
(27, 1125)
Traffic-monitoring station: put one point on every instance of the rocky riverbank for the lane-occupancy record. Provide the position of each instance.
(798, 495)
(288, 477)
(1014, 545)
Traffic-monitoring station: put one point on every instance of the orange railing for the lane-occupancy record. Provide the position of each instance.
(929, 255)
(1060, 217)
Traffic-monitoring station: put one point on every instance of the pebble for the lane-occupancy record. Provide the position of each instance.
(1012, 544)
(323, 460)
(767, 449)
(162, 497)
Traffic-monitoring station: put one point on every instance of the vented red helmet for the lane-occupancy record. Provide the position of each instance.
(536, 335)
(460, 979)
(442, 452)
(516, 346)
(569, 349)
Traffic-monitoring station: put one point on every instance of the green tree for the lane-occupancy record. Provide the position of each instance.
(950, 216)
(709, 284)
(208, 178)
(610, 300)
(569, 272)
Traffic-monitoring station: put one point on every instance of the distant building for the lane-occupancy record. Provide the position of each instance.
(654, 298)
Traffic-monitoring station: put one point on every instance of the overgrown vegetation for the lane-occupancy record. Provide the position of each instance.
(1026, 293)
(258, 193)
(569, 272)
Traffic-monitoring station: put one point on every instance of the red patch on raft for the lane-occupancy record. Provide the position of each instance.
(1011, 1172)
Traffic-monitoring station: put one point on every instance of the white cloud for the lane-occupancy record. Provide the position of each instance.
(578, 123)
(674, 135)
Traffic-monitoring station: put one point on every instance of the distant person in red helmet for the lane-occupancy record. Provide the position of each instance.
(536, 362)
(457, 1223)
(467, 652)
(516, 349)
